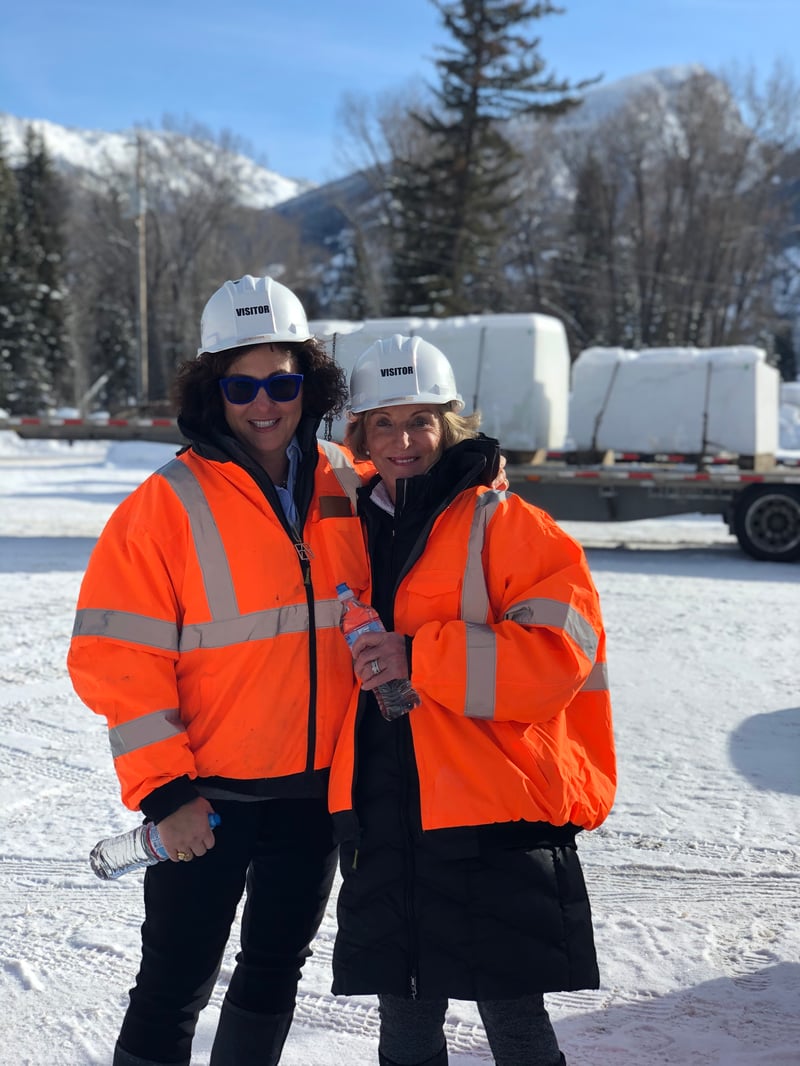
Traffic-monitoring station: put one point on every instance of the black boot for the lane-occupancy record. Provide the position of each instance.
(124, 1058)
(247, 1039)
(440, 1059)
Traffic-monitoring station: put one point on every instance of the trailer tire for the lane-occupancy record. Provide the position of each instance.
(766, 521)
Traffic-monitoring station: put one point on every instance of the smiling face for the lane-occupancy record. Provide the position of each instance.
(403, 441)
(264, 427)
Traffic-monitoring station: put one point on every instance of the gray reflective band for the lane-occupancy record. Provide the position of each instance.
(260, 625)
(344, 470)
(481, 651)
(597, 681)
(211, 555)
(556, 615)
(131, 628)
(153, 633)
(474, 595)
(141, 732)
(481, 672)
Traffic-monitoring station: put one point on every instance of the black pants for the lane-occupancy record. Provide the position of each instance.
(519, 1031)
(283, 850)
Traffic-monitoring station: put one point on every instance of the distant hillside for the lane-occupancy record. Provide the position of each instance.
(322, 212)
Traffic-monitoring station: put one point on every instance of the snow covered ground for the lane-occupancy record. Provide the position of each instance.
(695, 877)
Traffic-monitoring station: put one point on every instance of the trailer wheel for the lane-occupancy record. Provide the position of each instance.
(766, 521)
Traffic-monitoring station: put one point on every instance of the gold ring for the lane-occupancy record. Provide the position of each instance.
(376, 666)
(183, 857)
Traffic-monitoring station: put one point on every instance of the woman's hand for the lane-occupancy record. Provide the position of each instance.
(387, 651)
(186, 832)
(500, 483)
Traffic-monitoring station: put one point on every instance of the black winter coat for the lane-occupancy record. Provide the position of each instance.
(494, 912)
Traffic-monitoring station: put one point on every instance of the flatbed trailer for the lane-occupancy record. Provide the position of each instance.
(163, 430)
(761, 506)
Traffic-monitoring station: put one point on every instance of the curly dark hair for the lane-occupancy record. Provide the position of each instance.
(197, 396)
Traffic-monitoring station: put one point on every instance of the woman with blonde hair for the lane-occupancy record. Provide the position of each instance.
(458, 822)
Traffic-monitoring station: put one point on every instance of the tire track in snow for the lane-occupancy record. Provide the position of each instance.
(17, 763)
(673, 883)
(716, 852)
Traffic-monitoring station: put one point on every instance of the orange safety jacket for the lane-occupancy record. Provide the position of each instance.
(209, 637)
(509, 658)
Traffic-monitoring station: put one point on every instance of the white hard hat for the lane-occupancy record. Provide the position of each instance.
(399, 370)
(251, 311)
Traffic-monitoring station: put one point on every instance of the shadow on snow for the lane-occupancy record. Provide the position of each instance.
(765, 749)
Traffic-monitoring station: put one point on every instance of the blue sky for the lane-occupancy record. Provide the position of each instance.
(275, 74)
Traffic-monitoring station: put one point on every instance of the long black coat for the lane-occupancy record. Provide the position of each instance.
(476, 913)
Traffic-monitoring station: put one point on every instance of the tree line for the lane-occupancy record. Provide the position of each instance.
(672, 221)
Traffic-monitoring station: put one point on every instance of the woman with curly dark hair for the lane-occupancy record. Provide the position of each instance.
(207, 634)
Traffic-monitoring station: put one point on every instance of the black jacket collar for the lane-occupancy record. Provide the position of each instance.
(222, 447)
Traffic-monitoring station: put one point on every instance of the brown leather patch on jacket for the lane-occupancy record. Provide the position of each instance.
(335, 507)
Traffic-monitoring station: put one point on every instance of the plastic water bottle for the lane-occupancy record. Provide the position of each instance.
(114, 856)
(396, 697)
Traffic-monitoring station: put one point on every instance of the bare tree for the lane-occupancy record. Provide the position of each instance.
(675, 229)
(198, 232)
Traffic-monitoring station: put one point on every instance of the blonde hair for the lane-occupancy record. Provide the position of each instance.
(455, 428)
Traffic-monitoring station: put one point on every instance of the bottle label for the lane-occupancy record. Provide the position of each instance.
(366, 627)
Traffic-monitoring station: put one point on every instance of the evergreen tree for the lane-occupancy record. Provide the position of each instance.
(103, 319)
(785, 354)
(8, 206)
(452, 206)
(41, 198)
(19, 371)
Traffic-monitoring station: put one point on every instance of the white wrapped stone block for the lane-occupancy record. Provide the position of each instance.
(684, 400)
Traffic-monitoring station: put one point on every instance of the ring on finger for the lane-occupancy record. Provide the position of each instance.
(376, 666)
(184, 856)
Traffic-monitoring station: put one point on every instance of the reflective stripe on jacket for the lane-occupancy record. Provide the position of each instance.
(209, 639)
(508, 655)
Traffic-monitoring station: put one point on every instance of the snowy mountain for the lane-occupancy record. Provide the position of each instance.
(89, 154)
(602, 101)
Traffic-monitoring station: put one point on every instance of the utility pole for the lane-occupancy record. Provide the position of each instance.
(143, 367)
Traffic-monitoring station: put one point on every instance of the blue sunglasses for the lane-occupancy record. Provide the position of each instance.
(240, 389)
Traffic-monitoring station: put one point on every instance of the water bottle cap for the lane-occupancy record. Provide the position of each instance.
(343, 591)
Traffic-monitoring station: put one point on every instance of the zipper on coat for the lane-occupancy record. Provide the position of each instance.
(422, 539)
(312, 660)
(304, 555)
